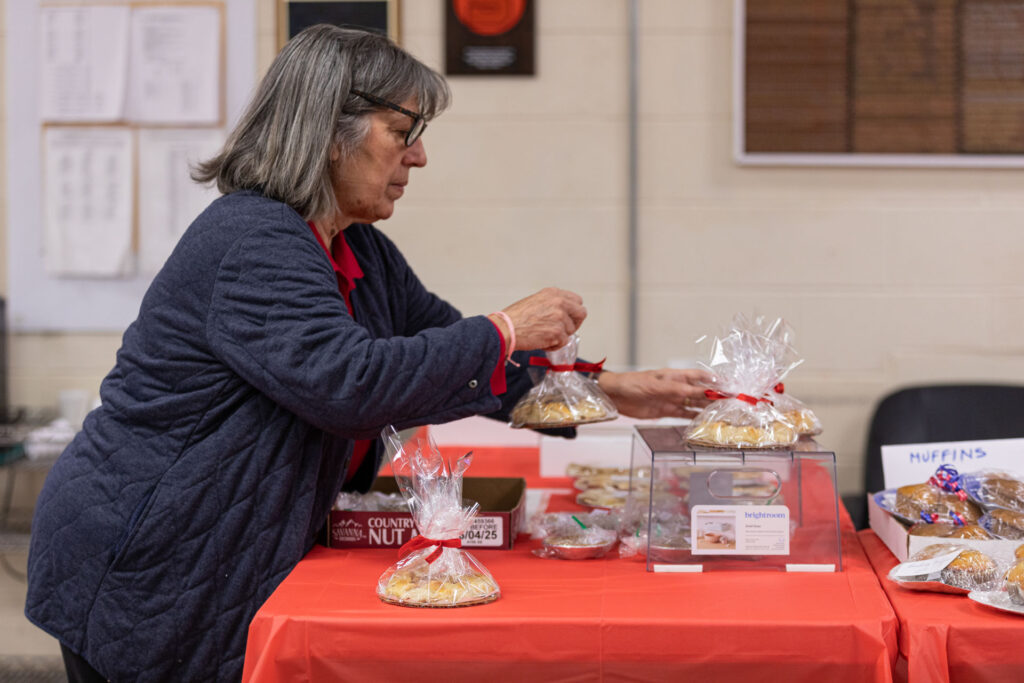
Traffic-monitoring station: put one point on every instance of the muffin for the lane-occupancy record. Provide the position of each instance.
(1004, 492)
(970, 531)
(1006, 523)
(1019, 552)
(935, 530)
(968, 510)
(972, 569)
(1015, 583)
(914, 499)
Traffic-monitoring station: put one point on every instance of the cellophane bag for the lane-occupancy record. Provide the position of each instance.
(746, 363)
(372, 501)
(948, 568)
(579, 536)
(433, 569)
(942, 499)
(995, 489)
(1013, 582)
(564, 397)
(796, 412)
(793, 409)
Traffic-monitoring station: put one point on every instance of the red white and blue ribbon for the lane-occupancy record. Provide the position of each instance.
(948, 479)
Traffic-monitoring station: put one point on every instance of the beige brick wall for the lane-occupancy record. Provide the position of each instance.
(889, 276)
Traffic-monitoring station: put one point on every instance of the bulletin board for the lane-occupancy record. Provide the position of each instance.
(139, 141)
(872, 82)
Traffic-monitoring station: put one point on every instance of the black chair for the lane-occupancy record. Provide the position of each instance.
(926, 414)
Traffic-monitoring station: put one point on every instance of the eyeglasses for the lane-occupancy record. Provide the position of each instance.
(419, 123)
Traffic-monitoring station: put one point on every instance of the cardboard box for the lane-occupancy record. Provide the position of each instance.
(501, 517)
(894, 534)
(914, 463)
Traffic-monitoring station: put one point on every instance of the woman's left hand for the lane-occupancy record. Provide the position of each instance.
(647, 394)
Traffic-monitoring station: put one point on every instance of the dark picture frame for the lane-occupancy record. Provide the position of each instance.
(490, 37)
(372, 15)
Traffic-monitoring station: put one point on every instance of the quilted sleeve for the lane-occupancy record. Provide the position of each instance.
(421, 308)
(275, 318)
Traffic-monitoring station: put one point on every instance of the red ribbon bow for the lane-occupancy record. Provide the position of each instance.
(420, 542)
(716, 395)
(579, 367)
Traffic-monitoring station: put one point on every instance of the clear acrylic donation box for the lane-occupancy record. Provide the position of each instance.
(701, 509)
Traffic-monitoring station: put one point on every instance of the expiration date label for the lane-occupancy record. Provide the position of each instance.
(739, 529)
(486, 532)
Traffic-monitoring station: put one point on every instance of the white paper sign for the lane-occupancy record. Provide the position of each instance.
(174, 69)
(169, 200)
(739, 529)
(915, 463)
(83, 63)
(88, 201)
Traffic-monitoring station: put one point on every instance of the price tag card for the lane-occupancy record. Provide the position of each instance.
(927, 567)
(739, 529)
(486, 532)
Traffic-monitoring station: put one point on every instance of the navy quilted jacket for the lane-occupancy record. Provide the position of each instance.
(225, 431)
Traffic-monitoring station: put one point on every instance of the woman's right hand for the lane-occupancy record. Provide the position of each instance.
(545, 320)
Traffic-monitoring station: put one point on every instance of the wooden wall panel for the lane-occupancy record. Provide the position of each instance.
(796, 85)
(993, 77)
(904, 76)
(884, 76)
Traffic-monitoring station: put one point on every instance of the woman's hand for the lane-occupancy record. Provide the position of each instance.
(544, 320)
(649, 394)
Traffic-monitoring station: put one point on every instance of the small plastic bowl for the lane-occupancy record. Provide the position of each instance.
(670, 550)
(569, 551)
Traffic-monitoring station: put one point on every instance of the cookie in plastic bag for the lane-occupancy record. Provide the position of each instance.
(564, 397)
(746, 363)
(433, 570)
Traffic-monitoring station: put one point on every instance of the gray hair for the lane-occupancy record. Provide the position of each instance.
(281, 147)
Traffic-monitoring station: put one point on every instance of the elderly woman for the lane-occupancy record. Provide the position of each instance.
(281, 335)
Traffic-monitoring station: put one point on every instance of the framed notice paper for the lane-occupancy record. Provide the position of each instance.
(371, 15)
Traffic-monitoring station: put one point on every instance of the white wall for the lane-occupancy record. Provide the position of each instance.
(889, 276)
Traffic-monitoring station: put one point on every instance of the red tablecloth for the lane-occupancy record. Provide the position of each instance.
(605, 619)
(948, 638)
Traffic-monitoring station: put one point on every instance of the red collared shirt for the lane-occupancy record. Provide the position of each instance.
(347, 270)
